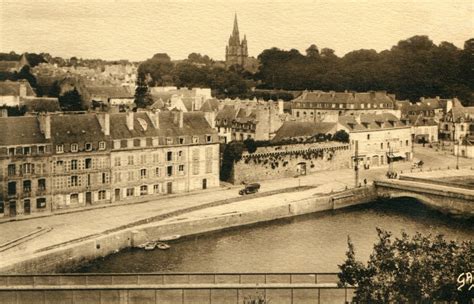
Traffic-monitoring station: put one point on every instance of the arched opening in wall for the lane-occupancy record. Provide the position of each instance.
(410, 206)
(301, 168)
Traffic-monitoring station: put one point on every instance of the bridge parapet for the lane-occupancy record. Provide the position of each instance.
(447, 199)
(206, 288)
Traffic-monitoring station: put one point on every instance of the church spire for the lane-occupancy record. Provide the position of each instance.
(235, 32)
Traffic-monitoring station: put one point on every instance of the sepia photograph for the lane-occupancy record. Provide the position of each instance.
(236, 152)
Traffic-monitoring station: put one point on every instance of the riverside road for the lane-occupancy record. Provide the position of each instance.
(68, 227)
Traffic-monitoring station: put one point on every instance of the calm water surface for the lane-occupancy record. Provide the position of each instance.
(311, 243)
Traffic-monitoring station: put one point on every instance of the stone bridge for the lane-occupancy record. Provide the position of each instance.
(449, 199)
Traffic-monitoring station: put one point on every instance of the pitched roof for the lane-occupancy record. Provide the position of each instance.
(345, 97)
(110, 91)
(227, 113)
(421, 120)
(462, 112)
(291, 129)
(210, 105)
(40, 104)
(7, 66)
(21, 130)
(76, 128)
(194, 123)
(371, 122)
(12, 88)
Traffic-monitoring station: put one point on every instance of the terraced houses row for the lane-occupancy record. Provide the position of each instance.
(51, 162)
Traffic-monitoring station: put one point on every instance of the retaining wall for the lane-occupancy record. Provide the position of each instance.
(291, 160)
(74, 255)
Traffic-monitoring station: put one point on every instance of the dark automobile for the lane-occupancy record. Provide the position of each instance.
(250, 188)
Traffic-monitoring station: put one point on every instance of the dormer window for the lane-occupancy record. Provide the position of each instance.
(208, 138)
(59, 148)
(40, 149)
(116, 144)
(26, 151)
(195, 139)
(102, 145)
(11, 151)
(181, 140)
(74, 148)
(169, 140)
(88, 147)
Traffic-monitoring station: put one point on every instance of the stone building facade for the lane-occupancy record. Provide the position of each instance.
(243, 119)
(51, 162)
(328, 106)
(290, 161)
(379, 137)
(25, 177)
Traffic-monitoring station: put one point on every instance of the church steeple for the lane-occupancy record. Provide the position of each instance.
(236, 51)
(235, 31)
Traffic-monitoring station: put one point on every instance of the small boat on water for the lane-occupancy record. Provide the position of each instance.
(169, 238)
(150, 246)
(162, 246)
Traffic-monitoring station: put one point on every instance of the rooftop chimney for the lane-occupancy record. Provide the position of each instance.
(281, 106)
(3, 112)
(357, 119)
(178, 118)
(130, 120)
(23, 90)
(104, 121)
(45, 125)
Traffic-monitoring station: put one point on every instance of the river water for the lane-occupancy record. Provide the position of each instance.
(310, 243)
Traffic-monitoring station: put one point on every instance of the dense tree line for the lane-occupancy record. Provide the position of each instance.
(196, 71)
(413, 68)
(417, 269)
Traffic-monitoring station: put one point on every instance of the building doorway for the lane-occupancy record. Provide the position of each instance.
(301, 168)
(27, 206)
(169, 187)
(117, 194)
(204, 183)
(88, 198)
(12, 206)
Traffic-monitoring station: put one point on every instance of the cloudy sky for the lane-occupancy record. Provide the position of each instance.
(137, 29)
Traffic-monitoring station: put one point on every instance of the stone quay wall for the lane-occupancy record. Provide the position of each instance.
(76, 254)
(291, 161)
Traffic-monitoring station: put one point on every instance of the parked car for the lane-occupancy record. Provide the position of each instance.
(417, 164)
(250, 188)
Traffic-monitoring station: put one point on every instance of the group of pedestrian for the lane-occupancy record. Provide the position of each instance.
(392, 174)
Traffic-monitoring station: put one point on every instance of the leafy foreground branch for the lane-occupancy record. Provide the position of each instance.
(420, 269)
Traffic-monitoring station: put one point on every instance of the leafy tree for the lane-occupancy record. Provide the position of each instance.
(25, 73)
(312, 51)
(158, 68)
(142, 94)
(420, 269)
(232, 153)
(71, 101)
(35, 59)
(341, 136)
(250, 145)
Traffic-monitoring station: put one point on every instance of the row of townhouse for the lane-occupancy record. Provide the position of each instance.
(51, 162)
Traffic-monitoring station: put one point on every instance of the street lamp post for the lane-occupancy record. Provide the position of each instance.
(457, 155)
(356, 160)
